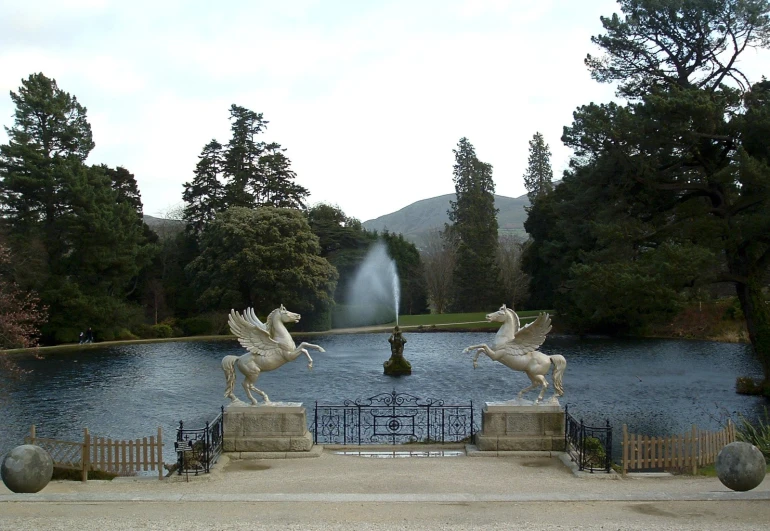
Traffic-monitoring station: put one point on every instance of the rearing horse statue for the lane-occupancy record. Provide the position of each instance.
(517, 347)
(269, 344)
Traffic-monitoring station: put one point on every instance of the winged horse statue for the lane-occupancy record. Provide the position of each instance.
(269, 346)
(516, 348)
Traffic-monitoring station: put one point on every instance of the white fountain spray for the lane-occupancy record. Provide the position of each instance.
(375, 286)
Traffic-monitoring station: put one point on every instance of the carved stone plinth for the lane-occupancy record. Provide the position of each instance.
(521, 426)
(279, 427)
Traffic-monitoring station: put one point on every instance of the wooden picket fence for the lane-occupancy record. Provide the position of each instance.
(677, 452)
(105, 454)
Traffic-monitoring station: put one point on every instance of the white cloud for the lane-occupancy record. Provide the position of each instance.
(370, 100)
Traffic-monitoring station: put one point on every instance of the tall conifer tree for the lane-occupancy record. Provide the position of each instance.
(538, 179)
(473, 231)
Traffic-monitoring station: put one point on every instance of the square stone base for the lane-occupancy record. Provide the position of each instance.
(521, 427)
(266, 428)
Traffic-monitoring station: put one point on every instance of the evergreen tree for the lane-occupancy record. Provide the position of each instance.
(538, 179)
(50, 135)
(411, 275)
(241, 158)
(124, 184)
(263, 257)
(343, 240)
(672, 189)
(474, 232)
(78, 232)
(247, 172)
(204, 196)
(278, 186)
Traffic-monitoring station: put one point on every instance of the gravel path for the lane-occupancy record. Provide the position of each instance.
(346, 492)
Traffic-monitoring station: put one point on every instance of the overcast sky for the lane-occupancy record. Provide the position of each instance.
(368, 97)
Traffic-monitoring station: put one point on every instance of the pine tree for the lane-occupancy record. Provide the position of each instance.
(241, 158)
(124, 184)
(474, 231)
(49, 136)
(204, 196)
(539, 175)
(77, 231)
(246, 172)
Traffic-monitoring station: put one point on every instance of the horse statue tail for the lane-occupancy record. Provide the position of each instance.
(228, 365)
(559, 364)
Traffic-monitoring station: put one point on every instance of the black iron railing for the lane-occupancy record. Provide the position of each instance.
(198, 449)
(588, 446)
(392, 418)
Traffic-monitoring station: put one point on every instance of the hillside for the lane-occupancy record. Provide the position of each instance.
(418, 219)
(164, 228)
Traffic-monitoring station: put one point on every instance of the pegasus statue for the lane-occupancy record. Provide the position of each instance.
(516, 347)
(269, 346)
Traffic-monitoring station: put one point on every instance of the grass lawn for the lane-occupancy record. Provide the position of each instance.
(457, 320)
(711, 471)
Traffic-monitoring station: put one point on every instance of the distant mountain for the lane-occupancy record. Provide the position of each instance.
(164, 227)
(418, 219)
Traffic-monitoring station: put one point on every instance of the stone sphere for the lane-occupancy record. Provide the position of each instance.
(740, 466)
(27, 468)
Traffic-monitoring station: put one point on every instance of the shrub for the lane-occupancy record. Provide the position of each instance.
(733, 312)
(595, 453)
(162, 330)
(144, 331)
(123, 334)
(748, 386)
(757, 433)
(197, 326)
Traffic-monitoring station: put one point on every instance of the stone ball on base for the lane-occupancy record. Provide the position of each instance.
(27, 469)
(740, 466)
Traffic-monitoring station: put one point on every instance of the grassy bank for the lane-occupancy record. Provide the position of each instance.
(410, 323)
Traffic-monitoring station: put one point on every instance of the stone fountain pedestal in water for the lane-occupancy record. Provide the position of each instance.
(397, 365)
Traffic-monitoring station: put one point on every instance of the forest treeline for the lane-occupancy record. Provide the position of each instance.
(665, 196)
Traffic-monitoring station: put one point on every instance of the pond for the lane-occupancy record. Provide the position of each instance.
(657, 387)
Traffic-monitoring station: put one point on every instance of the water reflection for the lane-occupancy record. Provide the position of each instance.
(657, 387)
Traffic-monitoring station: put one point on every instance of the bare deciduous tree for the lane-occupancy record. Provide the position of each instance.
(438, 257)
(514, 282)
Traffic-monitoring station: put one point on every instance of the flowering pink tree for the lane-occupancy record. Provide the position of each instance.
(21, 314)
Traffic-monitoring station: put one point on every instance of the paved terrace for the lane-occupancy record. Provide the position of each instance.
(336, 491)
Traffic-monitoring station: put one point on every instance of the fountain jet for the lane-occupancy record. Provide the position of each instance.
(375, 289)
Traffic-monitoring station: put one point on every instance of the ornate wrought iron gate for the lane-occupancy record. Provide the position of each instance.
(198, 449)
(392, 418)
(588, 446)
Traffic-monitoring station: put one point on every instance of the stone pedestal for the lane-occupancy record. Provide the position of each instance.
(521, 426)
(278, 427)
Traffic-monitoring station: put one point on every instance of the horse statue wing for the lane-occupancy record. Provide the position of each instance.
(250, 316)
(252, 336)
(530, 337)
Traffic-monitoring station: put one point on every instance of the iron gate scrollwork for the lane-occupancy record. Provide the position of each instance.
(198, 449)
(392, 418)
(588, 446)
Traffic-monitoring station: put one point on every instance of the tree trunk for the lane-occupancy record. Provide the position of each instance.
(757, 314)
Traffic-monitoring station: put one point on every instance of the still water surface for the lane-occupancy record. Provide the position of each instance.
(657, 387)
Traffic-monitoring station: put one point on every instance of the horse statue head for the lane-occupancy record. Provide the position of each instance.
(510, 322)
(281, 314)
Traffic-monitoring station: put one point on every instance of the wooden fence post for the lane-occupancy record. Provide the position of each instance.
(159, 458)
(84, 460)
(694, 450)
(32, 434)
